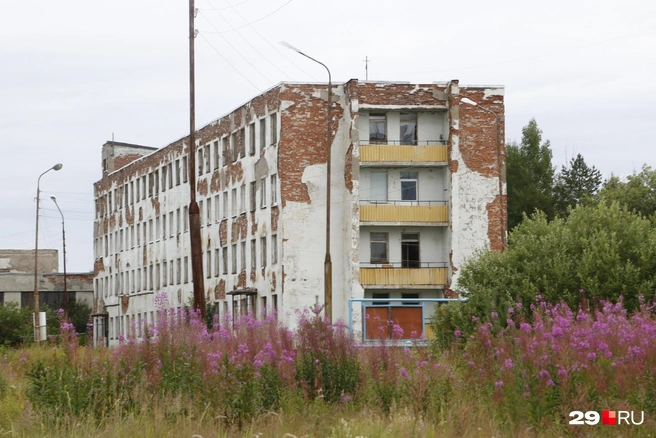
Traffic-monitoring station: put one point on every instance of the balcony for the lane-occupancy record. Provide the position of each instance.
(399, 212)
(398, 274)
(395, 320)
(385, 153)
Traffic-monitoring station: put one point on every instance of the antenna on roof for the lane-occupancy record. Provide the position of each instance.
(366, 68)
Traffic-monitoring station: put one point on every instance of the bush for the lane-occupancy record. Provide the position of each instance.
(601, 249)
(15, 324)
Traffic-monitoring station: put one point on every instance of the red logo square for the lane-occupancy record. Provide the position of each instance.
(608, 417)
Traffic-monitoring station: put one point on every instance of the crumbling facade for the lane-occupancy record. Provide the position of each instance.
(17, 279)
(417, 186)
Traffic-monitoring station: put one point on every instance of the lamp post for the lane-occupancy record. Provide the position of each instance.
(328, 264)
(499, 139)
(37, 327)
(64, 247)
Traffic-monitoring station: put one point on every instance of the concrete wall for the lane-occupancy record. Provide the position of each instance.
(22, 260)
(432, 183)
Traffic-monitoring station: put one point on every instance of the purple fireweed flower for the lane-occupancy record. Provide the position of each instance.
(499, 384)
(457, 333)
(404, 373)
(494, 315)
(474, 319)
(544, 374)
(550, 382)
(525, 327)
(592, 356)
(60, 312)
(511, 310)
(508, 364)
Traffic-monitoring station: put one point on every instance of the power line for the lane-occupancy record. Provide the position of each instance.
(238, 52)
(247, 42)
(223, 9)
(275, 47)
(229, 63)
(256, 21)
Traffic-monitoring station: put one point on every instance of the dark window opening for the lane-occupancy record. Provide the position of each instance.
(408, 128)
(410, 296)
(378, 296)
(377, 128)
(410, 251)
(378, 247)
(409, 186)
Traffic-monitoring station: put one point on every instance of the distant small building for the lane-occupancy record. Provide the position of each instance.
(17, 279)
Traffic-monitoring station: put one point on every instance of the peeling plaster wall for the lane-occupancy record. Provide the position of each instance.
(476, 219)
(22, 260)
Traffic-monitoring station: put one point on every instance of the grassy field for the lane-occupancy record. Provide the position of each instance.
(520, 374)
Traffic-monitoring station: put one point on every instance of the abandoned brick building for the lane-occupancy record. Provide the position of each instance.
(417, 187)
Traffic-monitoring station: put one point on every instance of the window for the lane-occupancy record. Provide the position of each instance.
(251, 139)
(235, 146)
(171, 224)
(380, 296)
(217, 265)
(242, 142)
(378, 186)
(410, 250)
(157, 227)
(225, 204)
(156, 179)
(377, 128)
(164, 233)
(414, 295)
(186, 270)
(253, 199)
(253, 254)
(185, 170)
(263, 193)
(185, 218)
(200, 213)
(378, 247)
(262, 134)
(150, 230)
(171, 276)
(274, 193)
(207, 158)
(200, 161)
(274, 249)
(217, 212)
(158, 278)
(177, 221)
(208, 264)
(274, 128)
(242, 198)
(234, 202)
(225, 260)
(170, 175)
(408, 128)
(243, 257)
(143, 189)
(138, 234)
(166, 272)
(164, 177)
(177, 173)
(178, 271)
(226, 145)
(263, 251)
(216, 156)
(234, 258)
(208, 209)
(409, 186)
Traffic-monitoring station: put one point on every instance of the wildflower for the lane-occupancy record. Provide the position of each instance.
(525, 327)
(544, 374)
(527, 394)
(592, 356)
(511, 310)
(344, 398)
(508, 364)
(457, 333)
(60, 312)
(474, 319)
(499, 384)
(550, 382)
(404, 373)
(494, 315)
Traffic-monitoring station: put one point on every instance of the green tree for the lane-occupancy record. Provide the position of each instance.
(603, 249)
(530, 176)
(15, 324)
(575, 184)
(637, 192)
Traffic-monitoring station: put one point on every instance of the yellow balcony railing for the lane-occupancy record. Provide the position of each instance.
(387, 153)
(387, 275)
(403, 211)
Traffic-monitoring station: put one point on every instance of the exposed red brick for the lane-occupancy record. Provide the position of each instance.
(105, 225)
(241, 279)
(202, 187)
(223, 232)
(125, 303)
(400, 94)
(98, 267)
(220, 290)
(242, 222)
(253, 224)
(253, 275)
(449, 293)
(112, 222)
(453, 166)
(496, 225)
(275, 214)
(155, 201)
(123, 160)
(129, 215)
(215, 184)
(348, 169)
(454, 269)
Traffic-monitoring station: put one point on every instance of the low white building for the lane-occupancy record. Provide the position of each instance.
(417, 185)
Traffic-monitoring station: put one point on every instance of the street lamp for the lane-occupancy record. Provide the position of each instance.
(498, 122)
(64, 246)
(37, 326)
(328, 265)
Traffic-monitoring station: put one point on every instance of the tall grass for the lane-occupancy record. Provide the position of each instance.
(518, 376)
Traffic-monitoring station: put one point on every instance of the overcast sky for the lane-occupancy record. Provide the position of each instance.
(73, 73)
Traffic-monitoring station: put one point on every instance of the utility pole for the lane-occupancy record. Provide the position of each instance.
(194, 214)
(64, 248)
